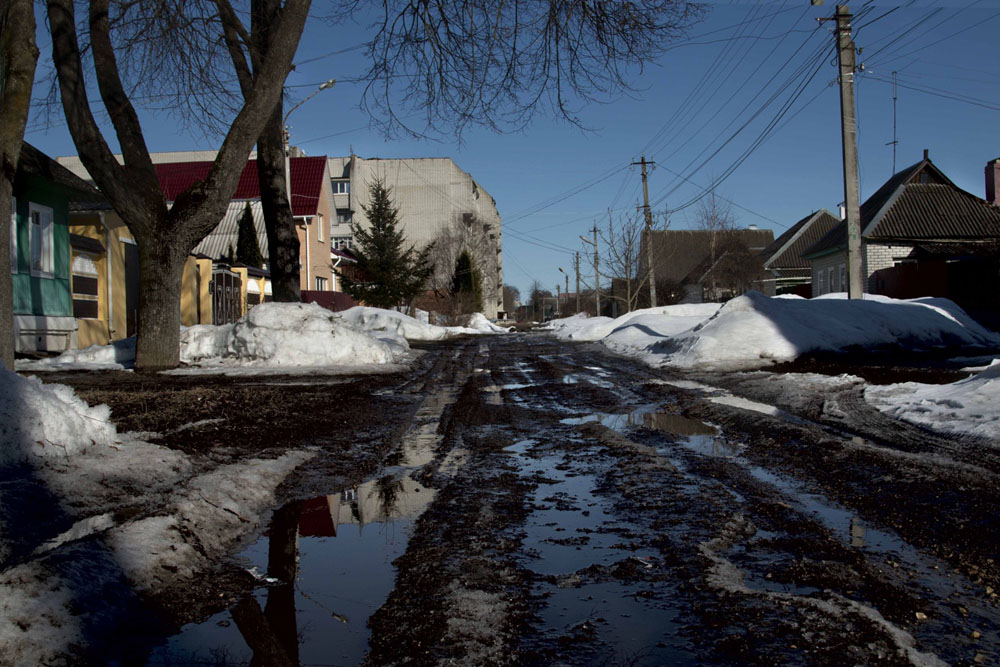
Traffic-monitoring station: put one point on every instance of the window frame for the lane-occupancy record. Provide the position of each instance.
(321, 284)
(96, 276)
(46, 266)
(341, 186)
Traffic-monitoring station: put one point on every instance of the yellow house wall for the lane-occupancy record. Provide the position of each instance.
(108, 229)
(196, 301)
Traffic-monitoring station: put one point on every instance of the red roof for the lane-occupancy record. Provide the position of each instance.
(307, 176)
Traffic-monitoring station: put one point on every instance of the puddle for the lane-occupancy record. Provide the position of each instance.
(615, 421)
(325, 565)
(338, 550)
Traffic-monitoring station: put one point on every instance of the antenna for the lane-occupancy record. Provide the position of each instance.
(894, 139)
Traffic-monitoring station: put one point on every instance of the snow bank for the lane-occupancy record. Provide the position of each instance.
(968, 406)
(304, 334)
(390, 321)
(47, 420)
(752, 331)
(116, 356)
(637, 328)
(377, 320)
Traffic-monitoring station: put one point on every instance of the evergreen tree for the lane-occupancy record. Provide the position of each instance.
(247, 248)
(388, 273)
(467, 284)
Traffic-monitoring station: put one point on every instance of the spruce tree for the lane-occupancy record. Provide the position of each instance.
(247, 248)
(388, 272)
(467, 284)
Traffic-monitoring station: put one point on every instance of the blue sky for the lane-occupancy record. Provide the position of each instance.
(553, 180)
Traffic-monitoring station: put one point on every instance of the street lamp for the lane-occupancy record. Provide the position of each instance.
(284, 121)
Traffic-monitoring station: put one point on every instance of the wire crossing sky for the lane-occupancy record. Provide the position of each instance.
(745, 105)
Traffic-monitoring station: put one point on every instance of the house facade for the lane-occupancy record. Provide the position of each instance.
(921, 236)
(438, 203)
(788, 271)
(697, 265)
(50, 285)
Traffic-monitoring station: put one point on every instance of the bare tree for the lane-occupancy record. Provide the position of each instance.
(715, 216)
(467, 233)
(18, 57)
(164, 236)
(511, 296)
(623, 241)
(456, 63)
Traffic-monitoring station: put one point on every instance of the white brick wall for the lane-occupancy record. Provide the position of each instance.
(880, 256)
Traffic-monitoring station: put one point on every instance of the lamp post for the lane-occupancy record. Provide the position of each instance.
(284, 121)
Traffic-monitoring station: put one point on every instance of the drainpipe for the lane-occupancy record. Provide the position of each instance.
(110, 276)
(305, 222)
(333, 273)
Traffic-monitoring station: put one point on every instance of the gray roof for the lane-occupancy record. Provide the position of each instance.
(785, 254)
(216, 244)
(918, 203)
(681, 253)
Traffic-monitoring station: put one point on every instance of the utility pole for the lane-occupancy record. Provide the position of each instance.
(651, 273)
(566, 292)
(597, 274)
(849, 136)
(558, 301)
(576, 261)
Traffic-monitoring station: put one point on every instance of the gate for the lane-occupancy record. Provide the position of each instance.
(226, 288)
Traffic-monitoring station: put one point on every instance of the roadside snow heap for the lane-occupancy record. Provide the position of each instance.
(754, 331)
(968, 406)
(289, 334)
(378, 320)
(47, 420)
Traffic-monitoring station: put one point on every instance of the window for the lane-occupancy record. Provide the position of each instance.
(843, 277)
(342, 243)
(319, 228)
(829, 279)
(342, 187)
(343, 217)
(321, 284)
(83, 273)
(40, 236)
(13, 235)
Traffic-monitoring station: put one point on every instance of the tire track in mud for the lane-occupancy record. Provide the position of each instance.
(704, 569)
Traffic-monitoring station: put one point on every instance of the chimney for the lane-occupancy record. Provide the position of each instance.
(927, 155)
(843, 210)
(992, 179)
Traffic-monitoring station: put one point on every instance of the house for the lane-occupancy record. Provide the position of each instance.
(696, 265)
(922, 236)
(438, 202)
(789, 272)
(50, 286)
(312, 206)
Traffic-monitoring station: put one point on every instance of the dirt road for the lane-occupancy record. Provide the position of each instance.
(528, 501)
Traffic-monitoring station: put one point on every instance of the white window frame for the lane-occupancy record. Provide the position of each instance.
(321, 284)
(77, 268)
(43, 231)
(13, 234)
(341, 187)
(319, 227)
(829, 280)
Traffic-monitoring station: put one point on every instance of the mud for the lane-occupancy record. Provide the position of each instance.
(580, 508)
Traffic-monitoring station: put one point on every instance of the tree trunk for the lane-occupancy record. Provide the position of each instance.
(282, 239)
(18, 56)
(161, 266)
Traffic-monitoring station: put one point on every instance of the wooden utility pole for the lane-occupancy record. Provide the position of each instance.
(650, 271)
(597, 274)
(849, 137)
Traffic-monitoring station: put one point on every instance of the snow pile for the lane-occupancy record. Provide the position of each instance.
(378, 320)
(116, 356)
(753, 330)
(637, 328)
(204, 341)
(305, 334)
(968, 406)
(47, 420)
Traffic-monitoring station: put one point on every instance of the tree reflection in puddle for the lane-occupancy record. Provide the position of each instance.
(329, 567)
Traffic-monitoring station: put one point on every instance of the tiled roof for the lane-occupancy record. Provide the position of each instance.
(785, 254)
(917, 203)
(307, 175)
(679, 254)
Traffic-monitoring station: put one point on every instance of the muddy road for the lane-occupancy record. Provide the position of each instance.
(518, 500)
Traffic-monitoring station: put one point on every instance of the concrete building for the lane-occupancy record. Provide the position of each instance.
(438, 202)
